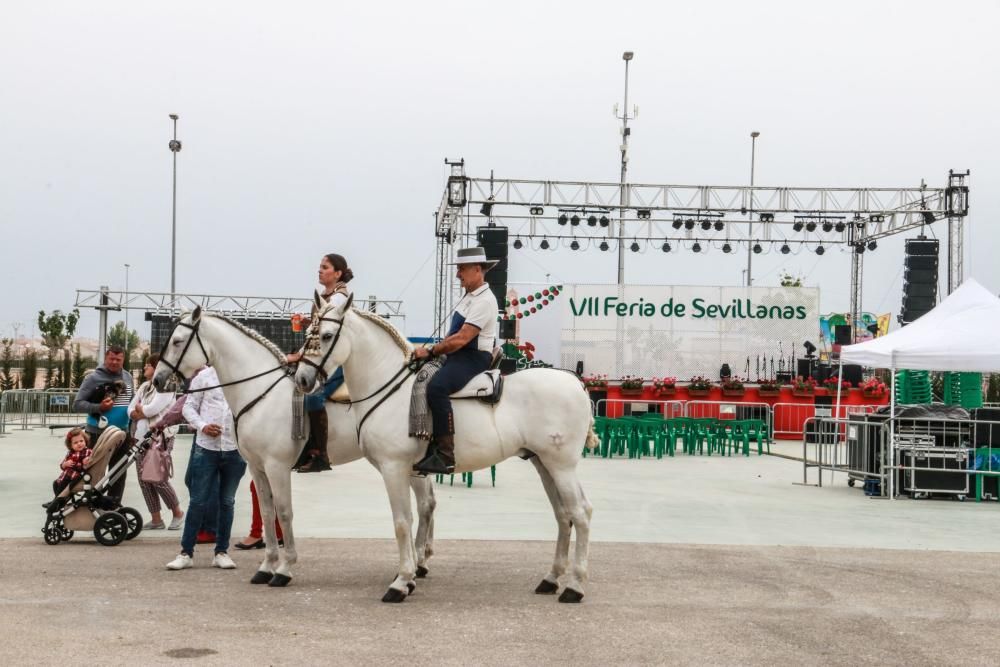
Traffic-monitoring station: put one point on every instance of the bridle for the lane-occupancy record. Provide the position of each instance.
(176, 368)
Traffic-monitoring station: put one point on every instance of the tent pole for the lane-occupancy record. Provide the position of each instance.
(892, 431)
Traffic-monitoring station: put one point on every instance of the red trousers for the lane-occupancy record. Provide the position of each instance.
(256, 523)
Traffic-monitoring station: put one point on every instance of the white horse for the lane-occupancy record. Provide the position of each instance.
(544, 414)
(259, 392)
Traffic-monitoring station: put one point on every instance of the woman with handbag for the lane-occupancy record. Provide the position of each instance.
(154, 465)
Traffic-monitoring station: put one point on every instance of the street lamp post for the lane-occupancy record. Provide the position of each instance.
(622, 198)
(753, 155)
(175, 148)
(126, 299)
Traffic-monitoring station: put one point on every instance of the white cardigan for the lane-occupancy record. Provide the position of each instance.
(153, 403)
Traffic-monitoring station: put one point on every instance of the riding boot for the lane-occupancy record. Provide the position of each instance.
(319, 460)
(440, 457)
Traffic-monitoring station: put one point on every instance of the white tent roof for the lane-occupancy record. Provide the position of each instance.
(961, 334)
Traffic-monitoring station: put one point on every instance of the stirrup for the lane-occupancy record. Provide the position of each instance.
(434, 463)
(315, 464)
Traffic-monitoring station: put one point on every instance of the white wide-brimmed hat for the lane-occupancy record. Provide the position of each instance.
(475, 255)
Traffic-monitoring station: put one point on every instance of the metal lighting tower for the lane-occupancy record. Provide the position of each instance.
(175, 148)
(623, 197)
(753, 155)
(126, 298)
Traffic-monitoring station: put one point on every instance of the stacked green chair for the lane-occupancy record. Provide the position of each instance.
(913, 387)
(964, 389)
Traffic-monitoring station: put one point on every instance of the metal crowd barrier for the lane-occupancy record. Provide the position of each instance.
(735, 410)
(789, 417)
(31, 408)
(669, 409)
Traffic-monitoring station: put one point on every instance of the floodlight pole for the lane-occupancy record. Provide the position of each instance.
(623, 196)
(175, 148)
(753, 156)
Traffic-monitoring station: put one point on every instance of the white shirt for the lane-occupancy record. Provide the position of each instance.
(210, 407)
(153, 403)
(479, 308)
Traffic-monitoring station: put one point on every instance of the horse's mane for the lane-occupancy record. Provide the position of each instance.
(271, 347)
(386, 326)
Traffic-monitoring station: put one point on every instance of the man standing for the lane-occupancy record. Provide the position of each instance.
(110, 408)
(216, 468)
(469, 346)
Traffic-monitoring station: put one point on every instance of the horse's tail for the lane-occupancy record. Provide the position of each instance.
(593, 442)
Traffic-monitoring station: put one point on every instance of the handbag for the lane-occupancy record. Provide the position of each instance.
(158, 464)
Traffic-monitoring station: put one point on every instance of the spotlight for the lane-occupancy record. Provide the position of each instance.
(517, 244)
(678, 224)
(797, 226)
(574, 245)
(706, 225)
(767, 217)
(757, 249)
(840, 226)
(928, 218)
(820, 250)
(827, 226)
(726, 248)
(575, 220)
(877, 218)
(810, 226)
(603, 246)
(859, 248)
(785, 249)
(665, 247)
(634, 247)
(719, 226)
(689, 224)
(604, 221)
(810, 348)
(592, 220)
(872, 245)
(643, 214)
(563, 219)
(545, 244)
(537, 210)
(696, 247)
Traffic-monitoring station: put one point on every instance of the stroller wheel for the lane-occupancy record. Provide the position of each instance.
(134, 520)
(66, 535)
(110, 529)
(52, 535)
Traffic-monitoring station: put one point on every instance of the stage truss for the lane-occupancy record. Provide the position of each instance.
(685, 215)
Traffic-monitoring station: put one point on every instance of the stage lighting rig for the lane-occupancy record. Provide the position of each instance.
(767, 217)
(757, 249)
(536, 210)
(575, 245)
(643, 213)
(696, 247)
(603, 246)
(820, 250)
(665, 247)
(634, 247)
(562, 219)
(785, 249)
(544, 245)
(726, 248)
(517, 244)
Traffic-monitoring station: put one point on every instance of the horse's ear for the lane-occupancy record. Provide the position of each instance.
(317, 300)
(196, 315)
(350, 300)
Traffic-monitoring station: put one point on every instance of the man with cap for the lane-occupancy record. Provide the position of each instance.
(469, 346)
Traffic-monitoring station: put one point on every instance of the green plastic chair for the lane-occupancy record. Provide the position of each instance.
(467, 478)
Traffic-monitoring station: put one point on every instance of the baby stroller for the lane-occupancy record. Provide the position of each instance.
(85, 505)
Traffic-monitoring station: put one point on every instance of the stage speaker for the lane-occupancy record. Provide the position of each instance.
(920, 278)
(507, 366)
(507, 329)
(493, 240)
(842, 334)
(579, 368)
(805, 368)
(852, 373)
(823, 372)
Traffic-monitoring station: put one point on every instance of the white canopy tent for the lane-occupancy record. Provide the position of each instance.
(959, 335)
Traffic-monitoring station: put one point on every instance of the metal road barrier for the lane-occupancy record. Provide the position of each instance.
(31, 408)
(735, 410)
(790, 417)
(669, 409)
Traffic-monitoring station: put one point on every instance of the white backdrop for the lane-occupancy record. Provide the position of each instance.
(657, 330)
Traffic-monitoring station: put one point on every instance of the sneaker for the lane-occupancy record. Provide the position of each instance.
(176, 523)
(154, 525)
(223, 561)
(182, 562)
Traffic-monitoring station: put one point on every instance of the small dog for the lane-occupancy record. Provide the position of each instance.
(105, 390)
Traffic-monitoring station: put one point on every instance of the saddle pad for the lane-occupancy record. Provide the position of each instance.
(342, 395)
(481, 386)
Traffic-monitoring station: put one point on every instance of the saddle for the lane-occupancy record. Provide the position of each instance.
(486, 387)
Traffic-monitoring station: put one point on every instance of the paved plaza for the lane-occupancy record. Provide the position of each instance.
(694, 560)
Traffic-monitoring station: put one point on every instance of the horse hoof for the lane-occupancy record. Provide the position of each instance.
(410, 587)
(547, 588)
(393, 595)
(261, 577)
(422, 571)
(279, 581)
(569, 595)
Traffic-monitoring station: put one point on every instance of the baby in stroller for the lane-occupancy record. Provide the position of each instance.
(83, 502)
(78, 457)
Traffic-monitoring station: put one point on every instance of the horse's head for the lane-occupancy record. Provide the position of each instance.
(183, 353)
(326, 349)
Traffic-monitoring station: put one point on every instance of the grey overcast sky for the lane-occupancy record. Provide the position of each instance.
(318, 127)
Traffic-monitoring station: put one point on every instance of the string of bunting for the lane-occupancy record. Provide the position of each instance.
(531, 303)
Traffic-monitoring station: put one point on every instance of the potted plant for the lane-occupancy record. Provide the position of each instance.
(873, 388)
(595, 382)
(830, 384)
(666, 386)
(768, 387)
(733, 386)
(699, 385)
(631, 385)
(804, 386)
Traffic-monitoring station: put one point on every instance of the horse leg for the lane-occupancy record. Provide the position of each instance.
(580, 511)
(423, 489)
(281, 493)
(265, 573)
(550, 584)
(396, 478)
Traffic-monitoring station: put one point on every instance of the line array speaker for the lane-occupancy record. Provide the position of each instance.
(920, 278)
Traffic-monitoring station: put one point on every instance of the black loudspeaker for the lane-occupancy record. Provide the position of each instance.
(823, 372)
(508, 329)
(920, 278)
(507, 366)
(494, 241)
(842, 334)
(805, 368)
(579, 368)
(852, 373)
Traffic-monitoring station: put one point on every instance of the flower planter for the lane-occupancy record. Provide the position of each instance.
(801, 393)
(874, 395)
(698, 392)
(768, 392)
(666, 392)
(631, 392)
(733, 393)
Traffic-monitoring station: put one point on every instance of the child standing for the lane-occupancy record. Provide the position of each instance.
(76, 459)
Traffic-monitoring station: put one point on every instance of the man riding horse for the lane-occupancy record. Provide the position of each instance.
(468, 346)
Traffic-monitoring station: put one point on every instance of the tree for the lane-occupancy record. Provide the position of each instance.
(56, 329)
(788, 280)
(127, 339)
(79, 367)
(6, 363)
(29, 368)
